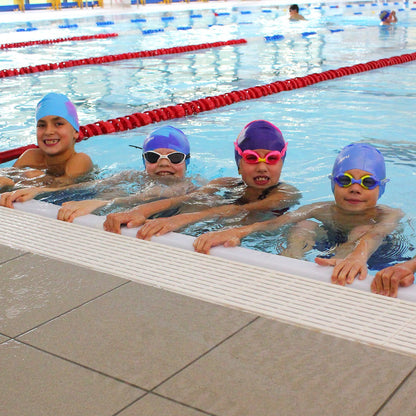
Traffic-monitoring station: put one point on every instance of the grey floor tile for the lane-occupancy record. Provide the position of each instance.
(35, 383)
(7, 253)
(271, 368)
(403, 402)
(138, 333)
(34, 289)
(152, 405)
(3, 339)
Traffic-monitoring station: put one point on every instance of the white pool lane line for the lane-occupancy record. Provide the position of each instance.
(343, 312)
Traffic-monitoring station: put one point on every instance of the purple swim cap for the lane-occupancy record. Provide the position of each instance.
(362, 156)
(167, 137)
(259, 134)
(54, 104)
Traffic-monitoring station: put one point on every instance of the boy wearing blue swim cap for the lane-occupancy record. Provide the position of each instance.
(387, 17)
(358, 180)
(54, 162)
(260, 151)
(165, 155)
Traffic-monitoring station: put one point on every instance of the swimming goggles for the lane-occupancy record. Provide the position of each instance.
(174, 157)
(367, 181)
(252, 157)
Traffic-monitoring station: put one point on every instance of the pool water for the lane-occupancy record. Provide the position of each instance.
(375, 106)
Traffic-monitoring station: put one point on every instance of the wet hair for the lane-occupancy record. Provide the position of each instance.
(294, 7)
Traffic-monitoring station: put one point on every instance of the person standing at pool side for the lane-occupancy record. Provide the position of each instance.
(387, 17)
(387, 281)
(260, 150)
(55, 162)
(354, 220)
(294, 13)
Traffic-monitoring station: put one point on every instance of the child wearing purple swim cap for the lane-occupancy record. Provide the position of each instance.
(353, 225)
(260, 150)
(54, 163)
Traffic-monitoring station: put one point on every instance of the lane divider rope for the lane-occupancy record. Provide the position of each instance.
(112, 58)
(50, 41)
(189, 108)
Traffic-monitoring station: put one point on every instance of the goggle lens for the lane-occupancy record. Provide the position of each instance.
(251, 157)
(367, 181)
(175, 157)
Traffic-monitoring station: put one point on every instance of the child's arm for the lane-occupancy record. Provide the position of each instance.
(6, 182)
(387, 281)
(137, 216)
(355, 263)
(233, 236)
(280, 198)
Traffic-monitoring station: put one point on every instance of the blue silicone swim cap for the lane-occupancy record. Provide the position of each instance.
(167, 137)
(362, 156)
(259, 134)
(54, 104)
(384, 14)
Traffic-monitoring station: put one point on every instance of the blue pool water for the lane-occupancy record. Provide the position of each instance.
(375, 106)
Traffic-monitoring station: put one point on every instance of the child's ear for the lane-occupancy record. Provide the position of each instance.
(76, 135)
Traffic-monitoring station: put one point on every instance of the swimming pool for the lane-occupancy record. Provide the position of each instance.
(317, 121)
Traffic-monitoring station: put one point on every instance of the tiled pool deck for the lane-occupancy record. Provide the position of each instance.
(74, 341)
(77, 341)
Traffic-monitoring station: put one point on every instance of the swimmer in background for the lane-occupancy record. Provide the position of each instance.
(387, 17)
(294, 13)
(387, 281)
(55, 162)
(358, 180)
(166, 154)
(260, 150)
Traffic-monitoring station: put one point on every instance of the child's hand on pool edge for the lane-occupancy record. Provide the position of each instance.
(347, 269)
(387, 281)
(20, 195)
(227, 238)
(73, 209)
(131, 219)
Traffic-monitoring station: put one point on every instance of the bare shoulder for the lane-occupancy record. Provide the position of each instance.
(31, 158)
(78, 164)
(387, 211)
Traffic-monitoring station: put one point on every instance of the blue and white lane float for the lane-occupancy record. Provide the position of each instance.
(274, 262)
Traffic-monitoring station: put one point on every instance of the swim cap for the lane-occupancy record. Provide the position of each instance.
(384, 14)
(362, 156)
(259, 134)
(54, 104)
(167, 137)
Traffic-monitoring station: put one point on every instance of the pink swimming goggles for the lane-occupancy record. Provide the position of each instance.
(252, 157)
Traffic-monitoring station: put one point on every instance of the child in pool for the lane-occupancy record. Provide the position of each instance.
(387, 281)
(166, 154)
(358, 179)
(387, 17)
(294, 14)
(259, 153)
(55, 162)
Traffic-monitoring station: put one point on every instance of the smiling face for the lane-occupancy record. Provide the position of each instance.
(164, 167)
(355, 198)
(260, 175)
(55, 135)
